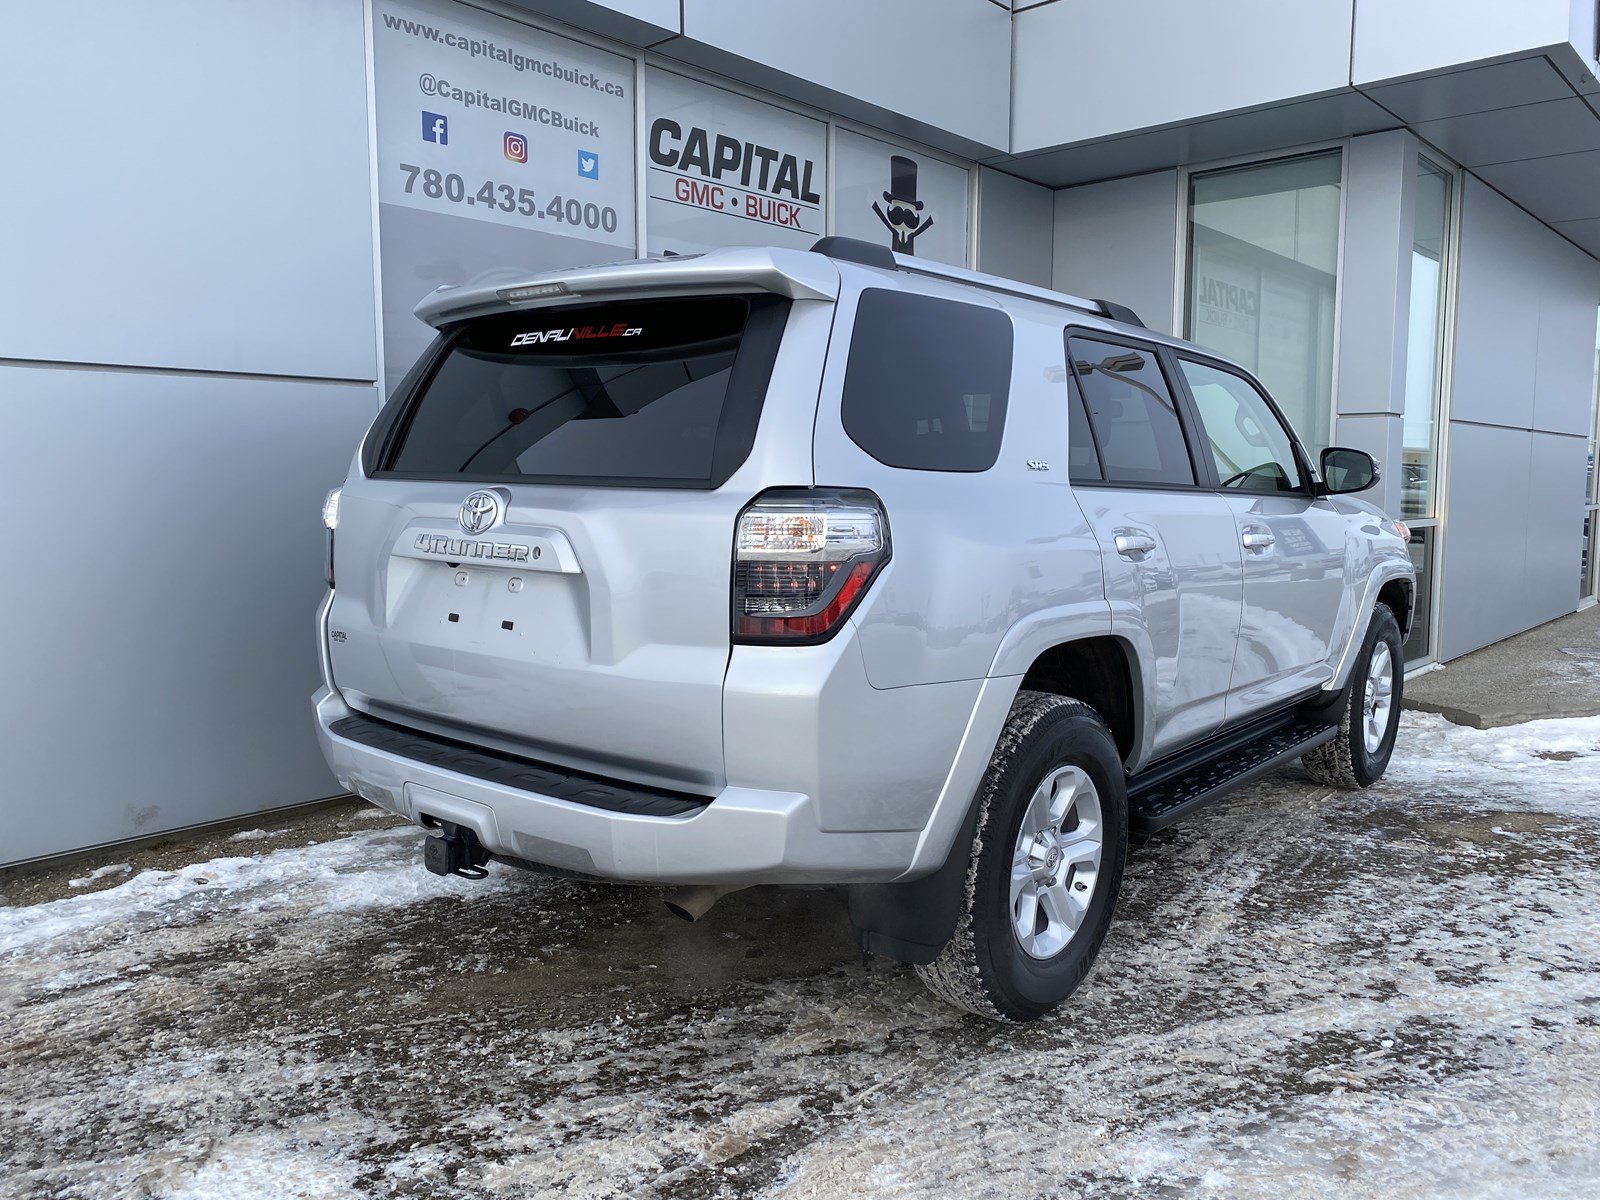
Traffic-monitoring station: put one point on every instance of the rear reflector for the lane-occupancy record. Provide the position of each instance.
(802, 560)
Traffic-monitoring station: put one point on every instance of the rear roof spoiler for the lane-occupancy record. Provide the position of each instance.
(800, 275)
(869, 254)
(793, 273)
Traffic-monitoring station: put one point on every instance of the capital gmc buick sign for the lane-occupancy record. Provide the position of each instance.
(727, 170)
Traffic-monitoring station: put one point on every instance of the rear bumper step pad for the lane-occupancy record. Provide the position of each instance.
(522, 774)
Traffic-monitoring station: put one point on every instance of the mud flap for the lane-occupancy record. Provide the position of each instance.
(911, 922)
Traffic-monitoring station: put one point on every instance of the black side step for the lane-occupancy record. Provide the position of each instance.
(1171, 790)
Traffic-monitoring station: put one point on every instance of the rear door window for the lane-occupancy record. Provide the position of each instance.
(1136, 425)
(926, 383)
(646, 393)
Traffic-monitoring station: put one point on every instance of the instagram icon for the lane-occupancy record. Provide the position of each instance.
(516, 147)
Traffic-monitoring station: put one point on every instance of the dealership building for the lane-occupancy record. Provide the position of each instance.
(220, 215)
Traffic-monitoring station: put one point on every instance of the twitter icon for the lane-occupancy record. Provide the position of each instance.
(588, 164)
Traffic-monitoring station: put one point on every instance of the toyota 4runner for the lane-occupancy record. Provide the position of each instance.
(839, 567)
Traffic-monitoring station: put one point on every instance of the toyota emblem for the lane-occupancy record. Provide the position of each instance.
(482, 511)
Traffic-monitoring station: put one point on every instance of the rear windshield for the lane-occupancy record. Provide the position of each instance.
(647, 392)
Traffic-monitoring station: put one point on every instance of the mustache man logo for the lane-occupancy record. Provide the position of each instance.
(904, 220)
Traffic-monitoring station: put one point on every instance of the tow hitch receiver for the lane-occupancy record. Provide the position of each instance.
(453, 849)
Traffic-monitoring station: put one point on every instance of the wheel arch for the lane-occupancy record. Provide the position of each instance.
(1101, 671)
(1399, 596)
(912, 920)
(1391, 584)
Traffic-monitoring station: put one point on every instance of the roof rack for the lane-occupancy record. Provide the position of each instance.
(869, 254)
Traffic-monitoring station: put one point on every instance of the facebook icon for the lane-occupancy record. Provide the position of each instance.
(435, 129)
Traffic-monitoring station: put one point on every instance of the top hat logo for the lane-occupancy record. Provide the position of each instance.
(904, 219)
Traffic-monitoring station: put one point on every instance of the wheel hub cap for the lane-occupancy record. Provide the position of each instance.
(1056, 862)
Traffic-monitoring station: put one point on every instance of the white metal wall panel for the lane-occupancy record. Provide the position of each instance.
(1087, 70)
(1525, 317)
(1486, 548)
(1406, 37)
(639, 22)
(1119, 240)
(1016, 227)
(1523, 377)
(943, 63)
(1556, 479)
(187, 186)
(1374, 298)
(158, 641)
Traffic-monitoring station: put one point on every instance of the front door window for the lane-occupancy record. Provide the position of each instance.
(1249, 445)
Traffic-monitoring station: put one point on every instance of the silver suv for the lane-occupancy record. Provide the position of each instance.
(838, 567)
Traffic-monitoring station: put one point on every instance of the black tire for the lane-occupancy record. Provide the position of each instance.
(984, 968)
(1346, 762)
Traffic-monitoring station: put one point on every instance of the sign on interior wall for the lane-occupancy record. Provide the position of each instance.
(500, 148)
(725, 170)
(901, 198)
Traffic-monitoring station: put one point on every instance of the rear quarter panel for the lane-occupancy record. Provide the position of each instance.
(976, 555)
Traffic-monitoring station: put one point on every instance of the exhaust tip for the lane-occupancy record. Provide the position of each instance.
(692, 903)
(679, 911)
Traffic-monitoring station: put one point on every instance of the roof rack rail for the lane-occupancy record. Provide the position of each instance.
(871, 255)
(1121, 312)
(848, 249)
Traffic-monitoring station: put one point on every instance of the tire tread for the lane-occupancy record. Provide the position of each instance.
(1334, 764)
(955, 976)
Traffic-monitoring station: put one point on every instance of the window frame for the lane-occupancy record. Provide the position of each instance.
(1310, 478)
(1183, 406)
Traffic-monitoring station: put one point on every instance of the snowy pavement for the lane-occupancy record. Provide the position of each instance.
(1307, 993)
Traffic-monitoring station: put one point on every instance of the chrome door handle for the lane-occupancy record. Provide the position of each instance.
(1258, 539)
(1130, 545)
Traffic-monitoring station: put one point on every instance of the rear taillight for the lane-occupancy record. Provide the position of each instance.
(802, 560)
(330, 522)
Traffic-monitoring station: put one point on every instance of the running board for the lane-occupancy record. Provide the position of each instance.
(1170, 791)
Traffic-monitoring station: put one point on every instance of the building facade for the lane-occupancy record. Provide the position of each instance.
(221, 213)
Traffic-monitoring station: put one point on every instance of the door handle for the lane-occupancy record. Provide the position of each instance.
(1258, 539)
(1131, 545)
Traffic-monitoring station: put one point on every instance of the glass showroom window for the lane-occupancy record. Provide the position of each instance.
(1425, 342)
(1263, 263)
(1589, 568)
(1425, 339)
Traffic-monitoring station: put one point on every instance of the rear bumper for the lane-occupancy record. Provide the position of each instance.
(743, 836)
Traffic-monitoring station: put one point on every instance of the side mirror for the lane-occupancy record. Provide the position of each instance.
(1346, 470)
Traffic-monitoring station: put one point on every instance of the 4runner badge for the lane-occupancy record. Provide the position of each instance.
(482, 511)
(460, 550)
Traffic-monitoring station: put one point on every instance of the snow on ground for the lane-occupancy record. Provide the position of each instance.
(257, 835)
(99, 873)
(1392, 993)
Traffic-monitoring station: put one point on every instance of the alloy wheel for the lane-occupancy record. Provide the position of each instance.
(1379, 698)
(1056, 861)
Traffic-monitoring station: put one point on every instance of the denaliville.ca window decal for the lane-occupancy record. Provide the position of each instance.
(577, 333)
